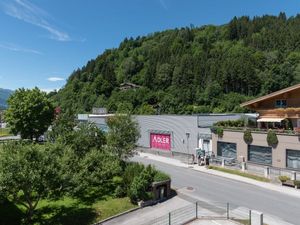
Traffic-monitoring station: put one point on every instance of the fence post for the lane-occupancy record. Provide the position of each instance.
(250, 216)
(196, 210)
(169, 218)
(227, 210)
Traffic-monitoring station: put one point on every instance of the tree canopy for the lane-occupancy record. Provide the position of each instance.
(30, 113)
(191, 69)
(29, 172)
(122, 135)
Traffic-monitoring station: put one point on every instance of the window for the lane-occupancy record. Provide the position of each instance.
(280, 103)
(293, 159)
(260, 154)
(226, 149)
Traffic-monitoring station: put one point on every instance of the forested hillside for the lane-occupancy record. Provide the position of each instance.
(4, 94)
(192, 69)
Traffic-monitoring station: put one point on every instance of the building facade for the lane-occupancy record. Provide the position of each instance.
(180, 134)
(279, 112)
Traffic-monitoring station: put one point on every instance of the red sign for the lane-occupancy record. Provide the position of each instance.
(160, 141)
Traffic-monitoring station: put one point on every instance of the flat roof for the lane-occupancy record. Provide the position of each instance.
(271, 95)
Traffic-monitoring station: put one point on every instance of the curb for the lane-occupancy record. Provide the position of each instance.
(118, 215)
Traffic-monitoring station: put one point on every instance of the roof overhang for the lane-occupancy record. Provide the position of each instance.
(274, 94)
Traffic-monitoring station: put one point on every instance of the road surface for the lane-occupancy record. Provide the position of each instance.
(215, 188)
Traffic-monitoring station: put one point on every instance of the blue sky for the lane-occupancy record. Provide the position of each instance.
(43, 41)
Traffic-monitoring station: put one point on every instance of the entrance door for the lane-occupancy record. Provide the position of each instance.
(206, 148)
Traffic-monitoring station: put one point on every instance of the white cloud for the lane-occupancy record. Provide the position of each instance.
(15, 48)
(54, 79)
(30, 13)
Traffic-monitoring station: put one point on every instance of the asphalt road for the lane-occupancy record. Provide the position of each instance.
(215, 188)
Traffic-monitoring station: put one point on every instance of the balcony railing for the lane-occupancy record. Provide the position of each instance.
(280, 112)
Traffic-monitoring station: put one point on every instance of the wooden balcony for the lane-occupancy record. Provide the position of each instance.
(280, 112)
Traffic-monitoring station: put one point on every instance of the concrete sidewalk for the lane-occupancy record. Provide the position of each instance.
(282, 189)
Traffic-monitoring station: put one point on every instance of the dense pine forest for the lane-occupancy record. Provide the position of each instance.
(190, 70)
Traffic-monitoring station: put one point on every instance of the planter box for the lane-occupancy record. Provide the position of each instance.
(290, 183)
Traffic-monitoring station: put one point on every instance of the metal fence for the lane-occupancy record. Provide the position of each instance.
(230, 163)
(256, 169)
(202, 210)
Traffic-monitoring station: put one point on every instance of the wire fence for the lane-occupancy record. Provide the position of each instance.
(203, 210)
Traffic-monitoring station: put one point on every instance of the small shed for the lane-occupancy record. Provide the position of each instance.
(161, 190)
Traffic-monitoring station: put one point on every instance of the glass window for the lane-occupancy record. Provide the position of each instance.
(280, 103)
(260, 154)
(293, 159)
(226, 149)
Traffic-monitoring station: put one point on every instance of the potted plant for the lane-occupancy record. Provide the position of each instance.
(248, 136)
(272, 138)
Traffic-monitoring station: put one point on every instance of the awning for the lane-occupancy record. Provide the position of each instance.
(270, 120)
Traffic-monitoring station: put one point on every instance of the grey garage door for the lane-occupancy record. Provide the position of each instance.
(293, 159)
(260, 154)
(226, 149)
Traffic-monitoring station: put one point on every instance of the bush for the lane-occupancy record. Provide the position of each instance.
(272, 138)
(120, 192)
(160, 176)
(210, 167)
(248, 136)
(297, 183)
(141, 184)
(230, 123)
(283, 178)
(220, 132)
(132, 170)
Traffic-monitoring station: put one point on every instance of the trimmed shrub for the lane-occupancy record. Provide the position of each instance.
(272, 138)
(231, 123)
(248, 136)
(283, 178)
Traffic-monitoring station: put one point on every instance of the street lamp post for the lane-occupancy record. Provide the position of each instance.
(187, 143)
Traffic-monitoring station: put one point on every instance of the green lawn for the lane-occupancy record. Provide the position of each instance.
(4, 132)
(240, 173)
(66, 211)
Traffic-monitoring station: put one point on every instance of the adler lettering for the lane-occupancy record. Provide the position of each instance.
(160, 141)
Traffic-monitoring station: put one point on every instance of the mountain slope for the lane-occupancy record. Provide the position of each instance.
(4, 94)
(190, 70)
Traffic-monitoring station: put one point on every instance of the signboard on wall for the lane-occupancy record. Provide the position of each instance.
(160, 141)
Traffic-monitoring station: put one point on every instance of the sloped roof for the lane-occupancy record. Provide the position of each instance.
(271, 95)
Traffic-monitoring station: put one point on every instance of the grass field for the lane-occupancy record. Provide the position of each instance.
(4, 132)
(240, 173)
(66, 211)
